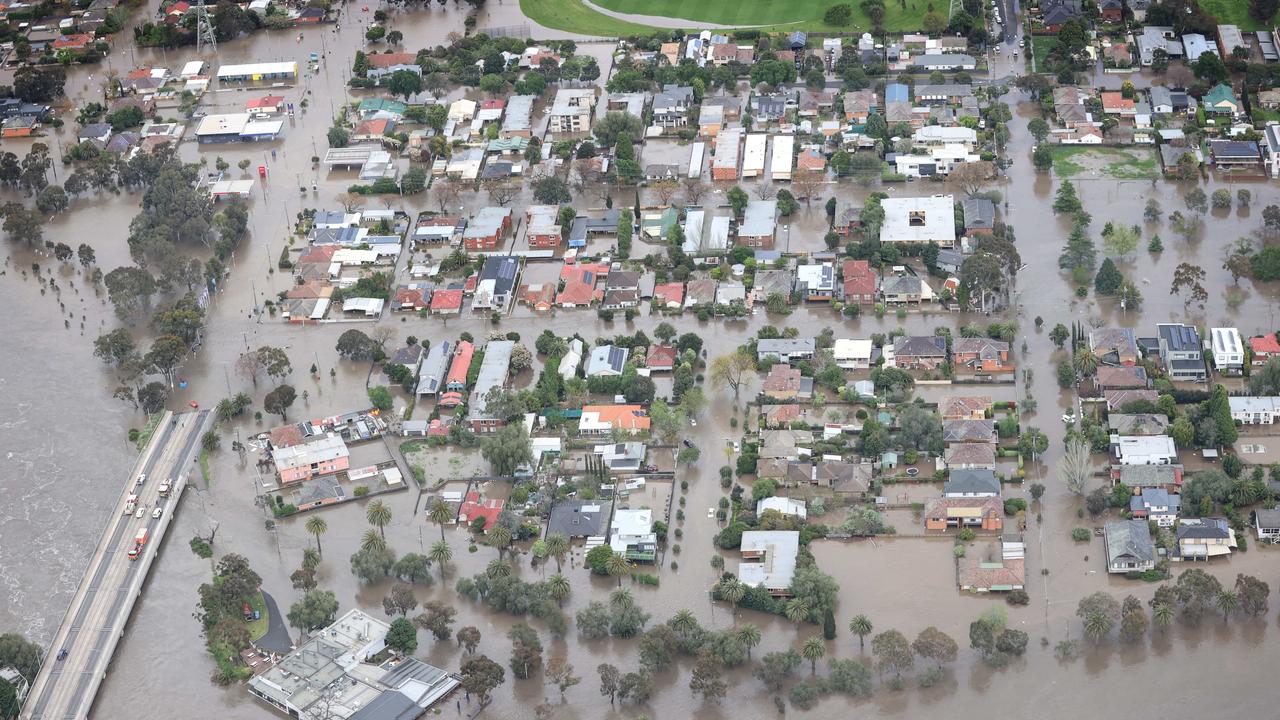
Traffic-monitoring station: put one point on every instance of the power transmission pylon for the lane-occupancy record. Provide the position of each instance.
(204, 29)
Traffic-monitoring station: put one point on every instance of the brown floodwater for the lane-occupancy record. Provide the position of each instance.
(62, 454)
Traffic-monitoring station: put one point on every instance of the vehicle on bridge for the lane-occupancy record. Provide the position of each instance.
(139, 541)
(130, 504)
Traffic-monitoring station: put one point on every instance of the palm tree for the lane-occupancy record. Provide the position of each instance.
(1084, 362)
(558, 586)
(496, 569)
(1097, 626)
(310, 558)
(1227, 602)
(618, 566)
(379, 515)
(498, 536)
(860, 625)
(371, 540)
(440, 554)
(1162, 614)
(733, 591)
(683, 622)
(622, 598)
(749, 636)
(317, 526)
(813, 650)
(797, 610)
(558, 548)
(440, 514)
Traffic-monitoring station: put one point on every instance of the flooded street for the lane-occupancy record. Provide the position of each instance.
(63, 454)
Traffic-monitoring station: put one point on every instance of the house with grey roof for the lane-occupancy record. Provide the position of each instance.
(920, 352)
(788, 350)
(1267, 524)
(607, 360)
(966, 431)
(579, 518)
(1157, 505)
(1137, 423)
(432, 372)
(1203, 539)
(492, 376)
(1129, 547)
(979, 216)
(971, 483)
(905, 289)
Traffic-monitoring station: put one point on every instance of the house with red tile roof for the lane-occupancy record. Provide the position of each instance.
(811, 161)
(580, 284)
(268, 104)
(669, 295)
(372, 130)
(410, 300)
(661, 358)
(861, 282)
(1115, 103)
(80, 41)
(604, 419)
(474, 508)
(1264, 348)
(539, 296)
(446, 302)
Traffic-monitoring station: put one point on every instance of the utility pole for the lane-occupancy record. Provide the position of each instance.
(204, 29)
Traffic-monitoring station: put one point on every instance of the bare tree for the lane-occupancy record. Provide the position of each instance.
(445, 193)
(665, 190)
(764, 191)
(383, 334)
(694, 190)
(502, 192)
(971, 176)
(806, 185)
(250, 366)
(350, 202)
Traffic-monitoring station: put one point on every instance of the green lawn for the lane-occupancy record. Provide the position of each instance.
(573, 16)
(776, 15)
(1233, 12)
(1126, 164)
(258, 628)
(1041, 46)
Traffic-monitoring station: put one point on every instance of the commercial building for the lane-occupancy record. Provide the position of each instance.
(338, 673)
(724, 165)
(258, 72)
(780, 162)
(236, 127)
(322, 455)
(753, 155)
(571, 110)
(492, 376)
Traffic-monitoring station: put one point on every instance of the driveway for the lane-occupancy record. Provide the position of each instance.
(277, 639)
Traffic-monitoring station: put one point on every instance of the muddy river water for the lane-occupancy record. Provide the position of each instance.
(63, 454)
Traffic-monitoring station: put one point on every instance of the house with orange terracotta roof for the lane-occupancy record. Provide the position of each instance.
(383, 65)
(580, 284)
(270, 104)
(372, 130)
(1264, 348)
(1115, 103)
(474, 508)
(661, 358)
(604, 419)
(539, 296)
(998, 567)
(669, 295)
(81, 41)
(811, 161)
(409, 299)
(446, 302)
